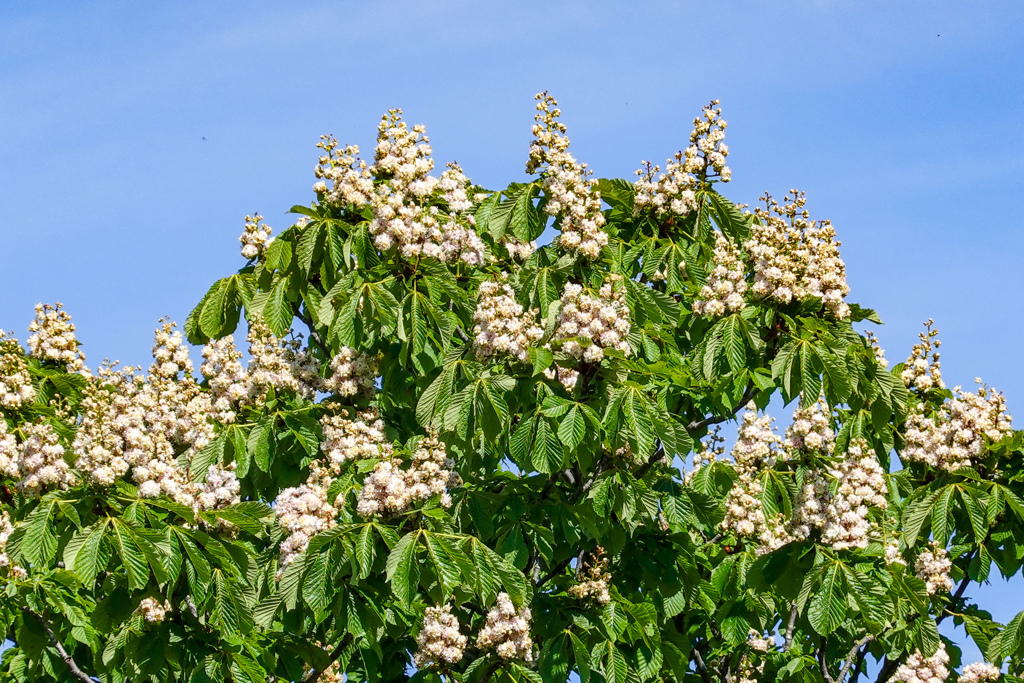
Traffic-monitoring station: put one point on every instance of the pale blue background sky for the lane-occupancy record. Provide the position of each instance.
(903, 122)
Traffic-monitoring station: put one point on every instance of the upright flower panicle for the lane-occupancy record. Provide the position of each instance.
(53, 337)
(795, 258)
(725, 286)
(440, 641)
(350, 178)
(932, 566)
(255, 238)
(16, 388)
(602, 320)
(861, 488)
(571, 195)
(923, 370)
(352, 373)
(507, 631)
(501, 325)
(921, 669)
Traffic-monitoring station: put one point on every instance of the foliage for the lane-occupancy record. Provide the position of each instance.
(520, 474)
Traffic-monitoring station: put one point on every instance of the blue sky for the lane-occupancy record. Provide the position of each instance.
(134, 137)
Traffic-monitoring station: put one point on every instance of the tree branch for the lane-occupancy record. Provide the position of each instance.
(964, 582)
(823, 662)
(701, 668)
(852, 657)
(314, 674)
(790, 626)
(68, 659)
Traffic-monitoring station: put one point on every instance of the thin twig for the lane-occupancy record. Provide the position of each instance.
(68, 659)
(852, 657)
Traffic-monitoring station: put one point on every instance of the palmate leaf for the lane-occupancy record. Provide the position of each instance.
(403, 572)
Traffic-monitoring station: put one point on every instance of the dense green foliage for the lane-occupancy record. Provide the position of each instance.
(562, 478)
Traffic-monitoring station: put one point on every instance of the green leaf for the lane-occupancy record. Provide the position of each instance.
(402, 571)
(278, 311)
(572, 428)
(828, 605)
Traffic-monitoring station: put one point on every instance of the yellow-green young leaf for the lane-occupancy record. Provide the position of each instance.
(828, 605)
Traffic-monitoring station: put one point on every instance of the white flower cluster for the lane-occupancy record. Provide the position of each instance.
(142, 423)
(932, 566)
(351, 373)
(760, 642)
(921, 669)
(707, 149)
(877, 348)
(516, 249)
(592, 579)
(391, 490)
(303, 511)
(893, 555)
(923, 370)
(572, 196)
(501, 325)
(725, 286)
(708, 453)
(152, 610)
(671, 193)
(6, 529)
(810, 429)
(38, 461)
(220, 489)
(255, 238)
(280, 363)
(439, 640)
(53, 337)
(225, 376)
(955, 438)
(399, 216)
(351, 181)
(810, 507)
(601, 320)
(16, 388)
(567, 377)
(507, 631)
(861, 487)
(980, 672)
(347, 439)
(796, 258)
(755, 449)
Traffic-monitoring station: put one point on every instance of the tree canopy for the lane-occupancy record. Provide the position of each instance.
(455, 455)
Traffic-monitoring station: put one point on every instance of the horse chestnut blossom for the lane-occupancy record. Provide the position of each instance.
(351, 180)
(53, 337)
(6, 529)
(40, 461)
(439, 641)
(401, 215)
(923, 370)
(280, 363)
(220, 489)
(255, 238)
(572, 196)
(754, 450)
(921, 669)
(932, 566)
(811, 506)
(726, 284)
(955, 436)
(391, 490)
(796, 259)
(501, 325)
(302, 511)
(861, 488)
(507, 631)
(602, 320)
(520, 251)
(351, 373)
(810, 429)
(16, 387)
(152, 610)
(592, 579)
(979, 672)
(361, 438)
(567, 377)
(227, 379)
